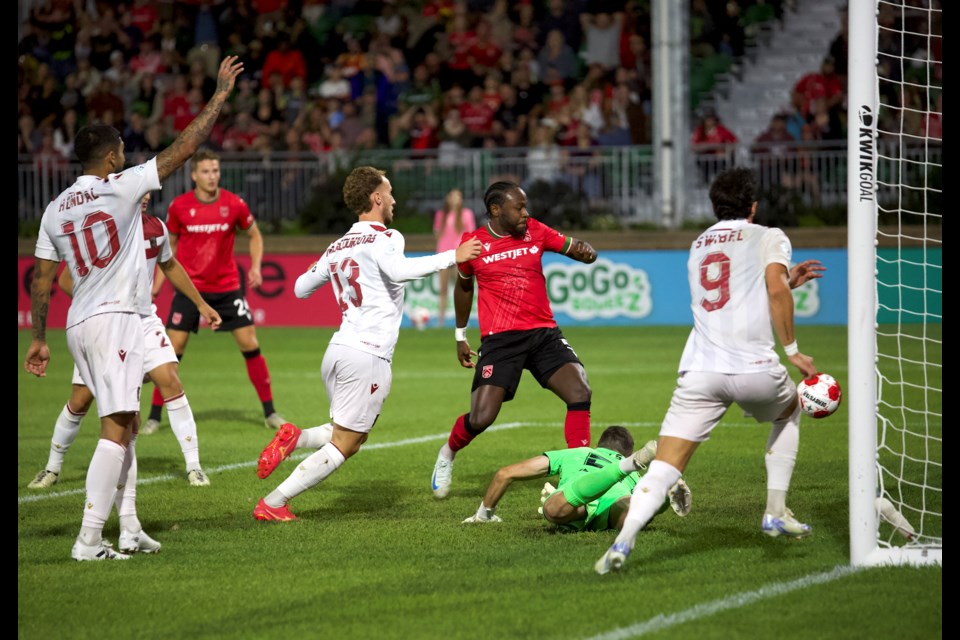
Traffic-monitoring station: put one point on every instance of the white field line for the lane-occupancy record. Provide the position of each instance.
(665, 621)
(38, 497)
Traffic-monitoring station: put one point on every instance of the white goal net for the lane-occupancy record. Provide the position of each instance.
(895, 243)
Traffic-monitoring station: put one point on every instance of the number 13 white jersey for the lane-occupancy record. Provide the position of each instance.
(95, 226)
(368, 271)
(731, 311)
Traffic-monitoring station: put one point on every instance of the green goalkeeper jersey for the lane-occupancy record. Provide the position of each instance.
(568, 464)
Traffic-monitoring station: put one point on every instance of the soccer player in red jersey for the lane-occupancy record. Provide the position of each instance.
(516, 324)
(202, 225)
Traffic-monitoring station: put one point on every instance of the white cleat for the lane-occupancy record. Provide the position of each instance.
(99, 551)
(149, 427)
(442, 477)
(681, 500)
(785, 525)
(197, 478)
(645, 456)
(613, 559)
(44, 480)
(274, 421)
(138, 542)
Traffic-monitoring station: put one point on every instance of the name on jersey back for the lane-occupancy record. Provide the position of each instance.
(719, 236)
(75, 198)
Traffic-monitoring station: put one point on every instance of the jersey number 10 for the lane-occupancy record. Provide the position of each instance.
(90, 241)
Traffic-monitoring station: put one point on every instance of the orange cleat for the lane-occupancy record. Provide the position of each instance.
(265, 512)
(278, 450)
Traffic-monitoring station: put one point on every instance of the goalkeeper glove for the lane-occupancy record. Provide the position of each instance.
(483, 514)
(545, 493)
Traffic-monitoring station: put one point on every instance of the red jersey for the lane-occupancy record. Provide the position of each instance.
(205, 238)
(512, 291)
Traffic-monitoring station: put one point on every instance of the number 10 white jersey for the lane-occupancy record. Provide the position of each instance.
(732, 330)
(368, 271)
(95, 226)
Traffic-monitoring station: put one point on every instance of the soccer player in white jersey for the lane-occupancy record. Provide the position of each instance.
(160, 364)
(740, 281)
(368, 271)
(95, 225)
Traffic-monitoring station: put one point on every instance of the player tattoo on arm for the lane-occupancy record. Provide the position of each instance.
(189, 140)
(43, 274)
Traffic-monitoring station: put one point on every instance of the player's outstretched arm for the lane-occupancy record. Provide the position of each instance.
(195, 133)
(536, 467)
(805, 271)
(38, 354)
(581, 251)
(317, 275)
(468, 250)
(181, 281)
(781, 316)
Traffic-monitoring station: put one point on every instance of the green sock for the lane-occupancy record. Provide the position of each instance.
(590, 486)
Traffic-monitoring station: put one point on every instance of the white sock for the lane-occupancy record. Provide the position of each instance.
(308, 473)
(126, 498)
(647, 499)
(315, 437)
(447, 453)
(103, 476)
(64, 433)
(184, 427)
(782, 447)
(627, 465)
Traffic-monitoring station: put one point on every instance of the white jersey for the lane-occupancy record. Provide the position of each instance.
(732, 330)
(156, 244)
(95, 226)
(369, 271)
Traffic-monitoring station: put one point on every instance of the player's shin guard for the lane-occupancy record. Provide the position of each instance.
(576, 426)
(103, 476)
(258, 374)
(309, 473)
(462, 434)
(184, 427)
(590, 486)
(782, 447)
(647, 499)
(126, 498)
(64, 433)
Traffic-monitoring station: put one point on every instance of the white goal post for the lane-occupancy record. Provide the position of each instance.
(895, 355)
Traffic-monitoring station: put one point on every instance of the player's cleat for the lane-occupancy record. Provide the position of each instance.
(197, 478)
(263, 511)
(138, 542)
(278, 450)
(149, 427)
(613, 559)
(44, 480)
(785, 525)
(442, 477)
(645, 456)
(681, 500)
(99, 551)
(274, 421)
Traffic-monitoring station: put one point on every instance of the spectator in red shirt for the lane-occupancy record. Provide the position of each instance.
(477, 114)
(285, 60)
(824, 84)
(714, 141)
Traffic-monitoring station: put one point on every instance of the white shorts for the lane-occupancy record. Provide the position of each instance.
(357, 385)
(157, 348)
(108, 350)
(701, 398)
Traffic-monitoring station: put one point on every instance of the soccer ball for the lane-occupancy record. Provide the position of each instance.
(420, 317)
(820, 395)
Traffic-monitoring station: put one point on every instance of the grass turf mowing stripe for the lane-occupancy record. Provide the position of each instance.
(661, 622)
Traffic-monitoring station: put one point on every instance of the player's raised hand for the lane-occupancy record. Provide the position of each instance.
(227, 75)
(468, 250)
(38, 355)
(805, 271)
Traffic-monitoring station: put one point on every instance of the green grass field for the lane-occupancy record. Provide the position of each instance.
(374, 555)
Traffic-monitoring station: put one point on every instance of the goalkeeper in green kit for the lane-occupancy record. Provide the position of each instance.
(594, 485)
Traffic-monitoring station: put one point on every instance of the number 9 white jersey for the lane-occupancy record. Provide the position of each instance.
(95, 226)
(368, 272)
(731, 310)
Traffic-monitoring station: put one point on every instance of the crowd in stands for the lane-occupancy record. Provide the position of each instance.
(324, 75)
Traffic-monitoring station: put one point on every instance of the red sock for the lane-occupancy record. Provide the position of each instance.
(576, 428)
(157, 400)
(459, 436)
(259, 376)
